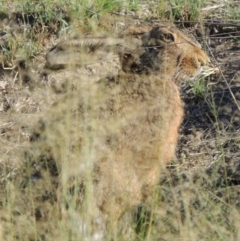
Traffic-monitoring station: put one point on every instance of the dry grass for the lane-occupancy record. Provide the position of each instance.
(198, 195)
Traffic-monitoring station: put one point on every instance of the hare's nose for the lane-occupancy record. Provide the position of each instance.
(203, 60)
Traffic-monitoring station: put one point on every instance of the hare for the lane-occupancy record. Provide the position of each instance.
(116, 135)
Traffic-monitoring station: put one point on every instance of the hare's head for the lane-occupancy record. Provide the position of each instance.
(172, 54)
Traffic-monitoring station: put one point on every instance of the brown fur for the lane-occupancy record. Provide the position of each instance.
(121, 131)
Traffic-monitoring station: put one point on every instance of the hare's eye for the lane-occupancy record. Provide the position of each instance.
(168, 37)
